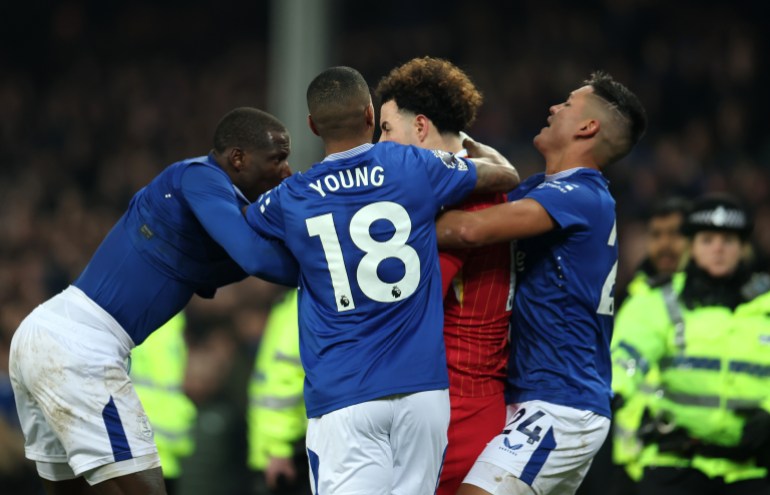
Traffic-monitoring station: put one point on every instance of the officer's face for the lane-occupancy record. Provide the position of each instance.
(718, 253)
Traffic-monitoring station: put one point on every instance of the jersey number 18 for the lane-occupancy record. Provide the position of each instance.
(375, 253)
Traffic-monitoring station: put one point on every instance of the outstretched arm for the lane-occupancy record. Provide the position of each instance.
(494, 173)
(505, 222)
(212, 200)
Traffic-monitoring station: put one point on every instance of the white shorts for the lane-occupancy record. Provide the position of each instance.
(547, 446)
(78, 409)
(394, 445)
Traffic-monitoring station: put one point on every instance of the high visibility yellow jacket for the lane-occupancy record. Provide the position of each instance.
(626, 420)
(713, 361)
(157, 372)
(276, 416)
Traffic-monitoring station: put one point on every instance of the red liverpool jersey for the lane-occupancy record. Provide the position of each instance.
(478, 288)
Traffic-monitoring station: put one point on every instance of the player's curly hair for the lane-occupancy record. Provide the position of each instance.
(435, 88)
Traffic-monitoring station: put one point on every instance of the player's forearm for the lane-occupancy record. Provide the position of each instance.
(458, 229)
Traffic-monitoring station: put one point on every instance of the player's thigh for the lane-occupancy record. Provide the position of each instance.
(488, 479)
(147, 482)
(547, 446)
(144, 483)
(349, 449)
(419, 440)
(28, 361)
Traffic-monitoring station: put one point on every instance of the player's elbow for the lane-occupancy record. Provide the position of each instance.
(498, 179)
(471, 235)
(511, 179)
(462, 235)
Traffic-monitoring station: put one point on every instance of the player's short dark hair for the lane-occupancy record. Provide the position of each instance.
(335, 99)
(624, 101)
(246, 128)
(435, 88)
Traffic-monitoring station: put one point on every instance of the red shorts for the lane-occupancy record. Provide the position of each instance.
(474, 421)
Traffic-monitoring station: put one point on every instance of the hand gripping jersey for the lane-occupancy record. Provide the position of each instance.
(563, 307)
(182, 234)
(361, 225)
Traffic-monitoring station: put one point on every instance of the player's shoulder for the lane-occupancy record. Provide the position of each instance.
(582, 186)
(581, 180)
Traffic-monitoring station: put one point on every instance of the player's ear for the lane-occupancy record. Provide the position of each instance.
(422, 127)
(235, 156)
(369, 115)
(588, 128)
(311, 124)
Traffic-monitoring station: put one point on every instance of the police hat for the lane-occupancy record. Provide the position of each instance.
(718, 212)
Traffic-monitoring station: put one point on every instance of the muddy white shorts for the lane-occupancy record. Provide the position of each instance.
(546, 446)
(78, 410)
(394, 445)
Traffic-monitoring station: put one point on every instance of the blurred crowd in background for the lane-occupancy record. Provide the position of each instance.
(96, 99)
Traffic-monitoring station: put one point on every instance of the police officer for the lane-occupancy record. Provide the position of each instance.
(276, 418)
(157, 372)
(666, 252)
(707, 428)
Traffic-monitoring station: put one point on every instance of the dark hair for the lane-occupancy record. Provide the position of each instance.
(669, 206)
(335, 98)
(435, 88)
(337, 86)
(246, 128)
(621, 98)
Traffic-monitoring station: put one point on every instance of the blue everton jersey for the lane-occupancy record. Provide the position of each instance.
(361, 225)
(182, 234)
(563, 307)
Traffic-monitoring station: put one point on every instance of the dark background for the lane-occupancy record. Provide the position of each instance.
(97, 97)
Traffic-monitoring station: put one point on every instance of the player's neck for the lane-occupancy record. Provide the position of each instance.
(340, 145)
(445, 142)
(567, 159)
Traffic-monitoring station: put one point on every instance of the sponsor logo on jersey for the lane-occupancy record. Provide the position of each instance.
(509, 447)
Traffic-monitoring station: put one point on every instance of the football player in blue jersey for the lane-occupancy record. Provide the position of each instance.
(183, 234)
(566, 259)
(361, 225)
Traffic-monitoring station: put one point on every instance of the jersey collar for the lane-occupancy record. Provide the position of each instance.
(351, 152)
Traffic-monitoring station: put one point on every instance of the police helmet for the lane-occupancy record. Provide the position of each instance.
(718, 212)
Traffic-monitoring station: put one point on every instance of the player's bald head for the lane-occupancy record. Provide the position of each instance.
(336, 100)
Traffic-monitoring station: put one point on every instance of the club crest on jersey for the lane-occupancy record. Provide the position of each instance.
(450, 160)
(144, 426)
